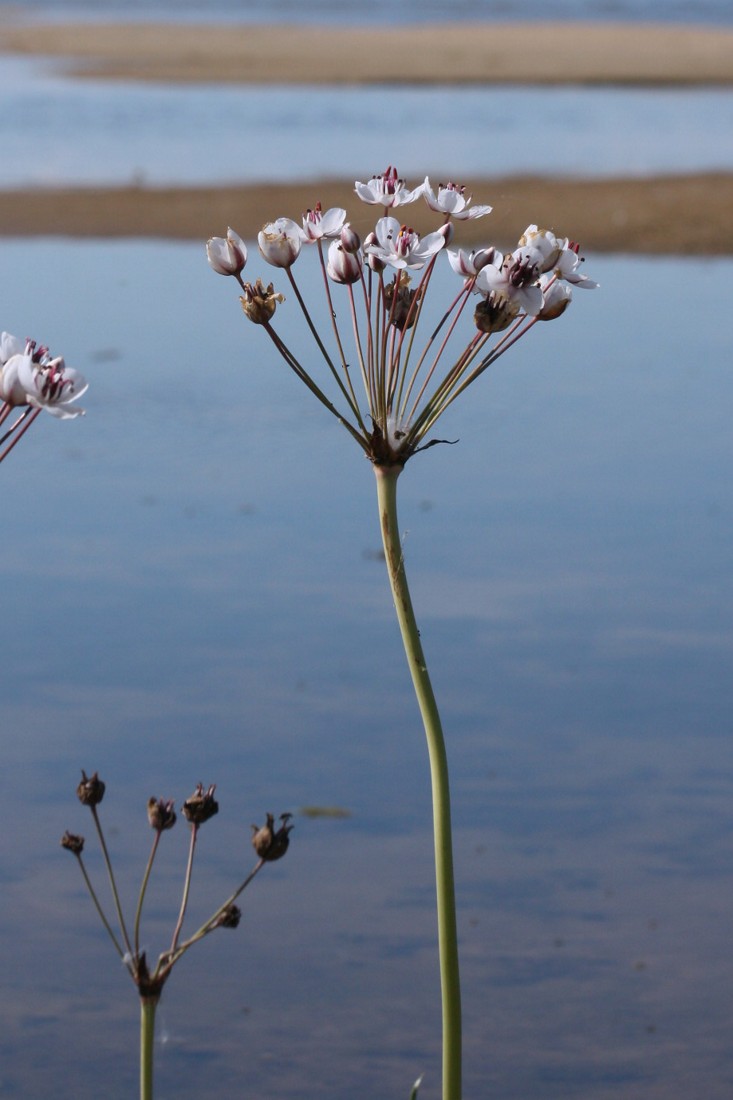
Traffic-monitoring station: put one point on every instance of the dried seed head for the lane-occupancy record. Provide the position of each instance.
(72, 843)
(201, 805)
(400, 301)
(270, 843)
(161, 814)
(228, 918)
(495, 313)
(259, 302)
(90, 791)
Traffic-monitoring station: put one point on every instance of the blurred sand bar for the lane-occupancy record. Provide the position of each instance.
(527, 53)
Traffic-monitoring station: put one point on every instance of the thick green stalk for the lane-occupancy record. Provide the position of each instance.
(148, 1006)
(445, 889)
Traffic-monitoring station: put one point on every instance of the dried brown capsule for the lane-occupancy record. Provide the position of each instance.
(401, 302)
(72, 843)
(161, 814)
(495, 313)
(259, 302)
(270, 843)
(228, 918)
(201, 805)
(90, 791)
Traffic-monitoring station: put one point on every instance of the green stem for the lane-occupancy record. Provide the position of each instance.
(148, 1006)
(445, 889)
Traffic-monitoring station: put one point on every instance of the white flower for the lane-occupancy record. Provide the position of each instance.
(10, 345)
(541, 247)
(514, 278)
(567, 268)
(280, 241)
(227, 255)
(387, 190)
(553, 254)
(453, 201)
(34, 378)
(316, 224)
(402, 247)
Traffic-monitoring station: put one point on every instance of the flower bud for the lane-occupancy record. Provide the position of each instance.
(556, 298)
(90, 791)
(271, 844)
(279, 242)
(227, 255)
(72, 843)
(343, 266)
(259, 302)
(350, 239)
(201, 805)
(374, 262)
(483, 257)
(161, 814)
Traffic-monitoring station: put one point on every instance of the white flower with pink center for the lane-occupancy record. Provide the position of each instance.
(387, 190)
(317, 224)
(452, 201)
(33, 378)
(401, 247)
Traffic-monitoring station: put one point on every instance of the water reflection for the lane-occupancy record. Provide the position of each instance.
(191, 578)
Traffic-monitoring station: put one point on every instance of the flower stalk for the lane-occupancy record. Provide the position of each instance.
(442, 830)
(148, 1006)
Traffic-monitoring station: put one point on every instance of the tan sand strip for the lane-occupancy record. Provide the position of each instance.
(664, 215)
(551, 53)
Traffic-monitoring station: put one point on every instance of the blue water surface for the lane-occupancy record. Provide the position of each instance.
(57, 131)
(193, 591)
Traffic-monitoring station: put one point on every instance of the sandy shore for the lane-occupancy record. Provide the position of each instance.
(551, 53)
(665, 215)
(662, 216)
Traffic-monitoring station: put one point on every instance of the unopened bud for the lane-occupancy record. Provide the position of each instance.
(90, 791)
(72, 843)
(556, 299)
(227, 255)
(350, 239)
(483, 257)
(343, 266)
(201, 805)
(161, 814)
(374, 263)
(280, 242)
(270, 843)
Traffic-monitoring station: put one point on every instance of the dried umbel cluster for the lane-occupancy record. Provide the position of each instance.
(382, 283)
(270, 843)
(31, 380)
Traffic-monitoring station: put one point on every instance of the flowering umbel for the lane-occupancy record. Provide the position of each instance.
(407, 385)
